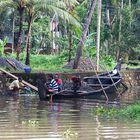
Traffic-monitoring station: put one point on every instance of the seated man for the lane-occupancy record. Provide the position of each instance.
(76, 83)
(59, 82)
(16, 84)
(52, 86)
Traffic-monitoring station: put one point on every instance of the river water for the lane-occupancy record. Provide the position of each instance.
(27, 118)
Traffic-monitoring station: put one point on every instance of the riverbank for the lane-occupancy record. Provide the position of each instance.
(130, 77)
(130, 112)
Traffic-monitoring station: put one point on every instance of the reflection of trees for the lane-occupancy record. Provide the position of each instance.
(13, 110)
(131, 95)
(98, 127)
(3, 103)
(59, 116)
(68, 118)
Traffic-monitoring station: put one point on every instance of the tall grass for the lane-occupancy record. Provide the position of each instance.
(48, 63)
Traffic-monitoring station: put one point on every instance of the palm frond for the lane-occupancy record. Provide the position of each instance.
(64, 15)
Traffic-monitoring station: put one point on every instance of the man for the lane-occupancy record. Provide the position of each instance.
(16, 84)
(52, 86)
(59, 82)
(76, 83)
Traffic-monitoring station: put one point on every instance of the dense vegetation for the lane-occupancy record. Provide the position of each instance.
(130, 112)
(54, 29)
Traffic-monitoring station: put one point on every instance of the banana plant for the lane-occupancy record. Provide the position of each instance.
(2, 44)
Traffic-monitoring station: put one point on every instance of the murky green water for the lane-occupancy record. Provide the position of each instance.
(27, 118)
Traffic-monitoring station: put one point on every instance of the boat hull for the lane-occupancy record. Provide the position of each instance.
(96, 92)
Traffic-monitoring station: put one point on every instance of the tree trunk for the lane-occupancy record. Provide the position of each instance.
(130, 9)
(13, 31)
(28, 42)
(120, 28)
(83, 38)
(20, 32)
(108, 24)
(70, 46)
(130, 4)
(107, 13)
(98, 34)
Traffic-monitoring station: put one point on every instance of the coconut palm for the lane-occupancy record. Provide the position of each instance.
(36, 8)
(83, 37)
(20, 6)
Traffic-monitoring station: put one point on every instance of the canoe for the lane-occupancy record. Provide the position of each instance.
(90, 87)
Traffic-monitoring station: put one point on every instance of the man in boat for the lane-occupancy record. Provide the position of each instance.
(76, 83)
(47, 87)
(16, 85)
(59, 82)
(51, 85)
(117, 68)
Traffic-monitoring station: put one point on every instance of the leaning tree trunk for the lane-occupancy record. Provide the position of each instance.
(83, 38)
(28, 43)
(20, 32)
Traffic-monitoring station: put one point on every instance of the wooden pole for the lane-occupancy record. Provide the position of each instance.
(100, 82)
(98, 33)
(24, 82)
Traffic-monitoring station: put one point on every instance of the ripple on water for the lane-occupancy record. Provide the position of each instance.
(28, 118)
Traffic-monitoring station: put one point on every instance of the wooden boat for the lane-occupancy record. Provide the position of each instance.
(93, 86)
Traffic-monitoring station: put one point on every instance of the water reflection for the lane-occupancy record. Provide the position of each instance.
(25, 117)
(131, 95)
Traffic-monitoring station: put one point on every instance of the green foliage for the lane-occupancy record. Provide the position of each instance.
(106, 112)
(62, 42)
(89, 46)
(106, 32)
(41, 34)
(108, 61)
(82, 10)
(116, 43)
(2, 44)
(47, 63)
(129, 112)
(132, 111)
(92, 52)
(64, 55)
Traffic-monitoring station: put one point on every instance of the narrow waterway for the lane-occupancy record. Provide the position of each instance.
(27, 118)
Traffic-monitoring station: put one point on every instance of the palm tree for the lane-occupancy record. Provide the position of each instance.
(71, 4)
(20, 6)
(83, 38)
(37, 7)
